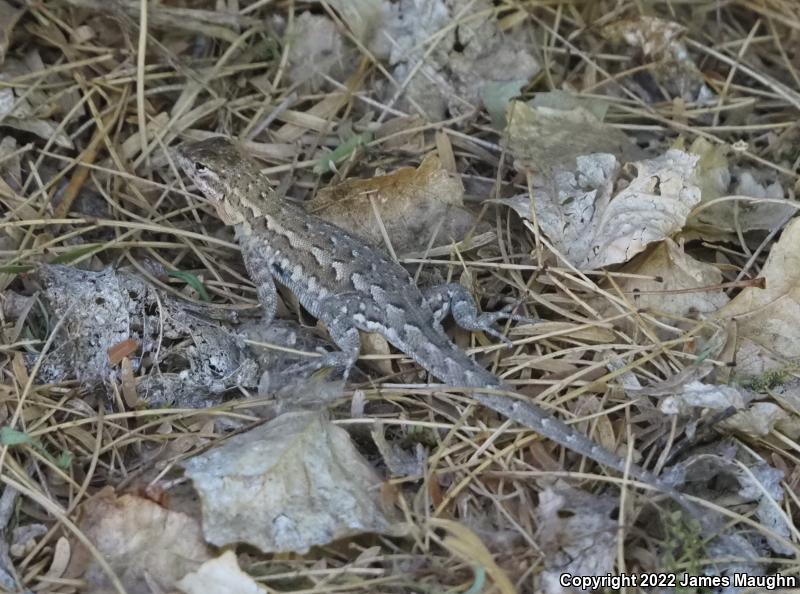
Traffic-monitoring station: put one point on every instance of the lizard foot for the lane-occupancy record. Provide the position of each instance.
(467, 317)
(455, 299)
(336, 360)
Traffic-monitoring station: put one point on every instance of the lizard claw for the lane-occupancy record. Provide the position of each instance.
(502, 337)
(487, 321)
(505, 314)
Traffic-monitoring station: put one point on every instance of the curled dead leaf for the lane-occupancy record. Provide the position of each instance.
(414, 206)
(141, 541)
(593, 225)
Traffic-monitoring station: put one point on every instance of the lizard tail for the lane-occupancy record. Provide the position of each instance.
(452, 366)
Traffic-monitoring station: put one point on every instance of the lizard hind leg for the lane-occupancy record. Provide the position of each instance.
(340, 314)
(456, 299)
(344, 336)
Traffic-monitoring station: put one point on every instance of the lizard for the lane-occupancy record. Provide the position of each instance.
(351, 286)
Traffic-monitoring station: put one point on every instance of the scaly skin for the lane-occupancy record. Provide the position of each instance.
(351, 286)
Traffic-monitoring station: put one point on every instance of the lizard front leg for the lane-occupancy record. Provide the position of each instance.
(261, 275)
(454, 298)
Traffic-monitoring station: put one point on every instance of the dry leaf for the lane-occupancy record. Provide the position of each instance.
(593, 228)
(446, 78)
(399, 461)
(140, 540)
(128, 382)
(696, 394)
(413, 204)
(29, 111)
(220, 575)
(293, 483)
(121, 350)
(363, 17)
(465, 543)
(757, 421)
(405, 134)
(722, 220)
(652, 35)
(767, 330)
(679, 287)
(547, 138)
(742, 477)
(373, 343)
(317, 51)
(206, 357)
(577, 533)
(60, 561)
(15, 307)
(665, 56)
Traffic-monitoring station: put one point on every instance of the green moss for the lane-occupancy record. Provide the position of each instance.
(768, 380)
(684, 548)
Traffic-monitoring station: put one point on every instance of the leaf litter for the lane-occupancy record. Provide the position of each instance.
(595, 217)
(183, 356)
(650, 164)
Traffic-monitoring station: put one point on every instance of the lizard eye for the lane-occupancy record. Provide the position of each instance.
(199, 167)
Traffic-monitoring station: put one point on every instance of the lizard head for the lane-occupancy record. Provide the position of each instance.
(221, 172)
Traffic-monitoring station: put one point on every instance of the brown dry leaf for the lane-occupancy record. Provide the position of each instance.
(124, 348)
(221, 575)
(465, 543)
(674, 272)
(128, 383)
(767, 330)
(406, 134)
(142, 542)
(593, 225)
(290, 484)
(413, 204)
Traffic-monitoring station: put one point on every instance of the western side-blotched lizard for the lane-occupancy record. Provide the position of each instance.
(352, 286)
